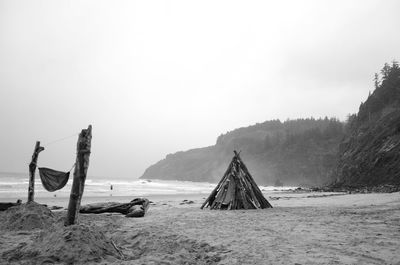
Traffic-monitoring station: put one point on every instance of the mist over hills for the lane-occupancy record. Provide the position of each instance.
(293, 152)
(363, 151)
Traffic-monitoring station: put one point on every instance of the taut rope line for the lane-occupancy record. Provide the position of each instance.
(61, 139)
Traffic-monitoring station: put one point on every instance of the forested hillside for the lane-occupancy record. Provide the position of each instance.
(294, 152)
(370, 154)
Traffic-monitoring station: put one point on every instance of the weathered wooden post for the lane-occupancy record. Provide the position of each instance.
(81, 167)
(32, 169)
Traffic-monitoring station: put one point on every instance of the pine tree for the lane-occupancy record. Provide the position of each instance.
(376, 81)
(385, 71)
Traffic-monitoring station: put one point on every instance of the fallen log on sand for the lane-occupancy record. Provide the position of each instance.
(5, 205)
(135, 208)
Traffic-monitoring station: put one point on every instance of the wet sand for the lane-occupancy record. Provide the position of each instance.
(302, 228)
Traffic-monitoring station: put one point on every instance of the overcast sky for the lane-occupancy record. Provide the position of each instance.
(156, 77)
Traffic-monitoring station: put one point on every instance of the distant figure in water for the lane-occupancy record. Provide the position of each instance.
(111, 187)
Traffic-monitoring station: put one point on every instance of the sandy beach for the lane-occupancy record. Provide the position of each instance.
(302, 228)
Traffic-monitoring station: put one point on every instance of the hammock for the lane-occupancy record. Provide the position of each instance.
(53, 180)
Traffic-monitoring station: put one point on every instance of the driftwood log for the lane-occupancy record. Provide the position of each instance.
(5, 205)
(81, 167)
(135, 208)
(32, 169)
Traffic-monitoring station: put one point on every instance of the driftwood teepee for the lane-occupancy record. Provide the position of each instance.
(236, 190)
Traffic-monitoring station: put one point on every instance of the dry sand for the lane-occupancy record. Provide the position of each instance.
(302, 228)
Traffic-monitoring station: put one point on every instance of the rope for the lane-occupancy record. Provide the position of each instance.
(72, 167)
(59, 140)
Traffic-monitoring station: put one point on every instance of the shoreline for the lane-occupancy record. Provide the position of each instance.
(286, 198)
(63, 201)
(383, 188)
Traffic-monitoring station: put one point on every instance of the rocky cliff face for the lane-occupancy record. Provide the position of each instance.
(370, 154)
(295, 152)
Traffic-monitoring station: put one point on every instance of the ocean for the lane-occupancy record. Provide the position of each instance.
(14, 186)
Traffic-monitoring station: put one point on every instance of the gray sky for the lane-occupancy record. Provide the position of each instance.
(156, 77)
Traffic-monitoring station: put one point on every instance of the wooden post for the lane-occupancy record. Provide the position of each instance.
(81, 167)
(32, 169)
